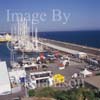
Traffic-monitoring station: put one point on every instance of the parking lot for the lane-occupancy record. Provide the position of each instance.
(73, 67)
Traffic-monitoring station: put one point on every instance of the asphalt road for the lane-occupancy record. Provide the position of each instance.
(74, 67)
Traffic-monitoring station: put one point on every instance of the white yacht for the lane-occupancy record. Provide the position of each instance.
(22, 41)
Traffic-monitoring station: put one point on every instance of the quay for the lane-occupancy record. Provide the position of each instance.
(70, 48)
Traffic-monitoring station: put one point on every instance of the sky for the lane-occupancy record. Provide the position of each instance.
(53, 15)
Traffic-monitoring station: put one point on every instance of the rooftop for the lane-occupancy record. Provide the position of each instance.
(94, 81)
(4, 79)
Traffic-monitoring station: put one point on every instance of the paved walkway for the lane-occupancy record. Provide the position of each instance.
(60, 48)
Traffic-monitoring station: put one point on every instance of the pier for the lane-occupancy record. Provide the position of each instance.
(69, 47)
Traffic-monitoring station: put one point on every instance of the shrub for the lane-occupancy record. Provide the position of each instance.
(31, 93)
(45, 92)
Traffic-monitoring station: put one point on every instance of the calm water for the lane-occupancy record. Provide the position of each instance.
(87, 38)
(4, 53)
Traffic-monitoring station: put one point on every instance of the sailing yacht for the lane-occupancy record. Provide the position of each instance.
(23, 42)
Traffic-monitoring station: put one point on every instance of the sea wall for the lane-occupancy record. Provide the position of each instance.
(89, 50)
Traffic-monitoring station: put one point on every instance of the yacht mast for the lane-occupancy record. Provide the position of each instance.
(36, 41)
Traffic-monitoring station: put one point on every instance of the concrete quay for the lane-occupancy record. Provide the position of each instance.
(71, 47)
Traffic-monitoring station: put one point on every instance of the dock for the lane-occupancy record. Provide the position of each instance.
(69, 47)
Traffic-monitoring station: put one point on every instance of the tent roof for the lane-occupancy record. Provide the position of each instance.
(86, 72)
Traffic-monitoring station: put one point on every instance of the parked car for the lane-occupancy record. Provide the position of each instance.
(94, 68)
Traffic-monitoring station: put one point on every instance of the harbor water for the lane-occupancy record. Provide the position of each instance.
(87, 38)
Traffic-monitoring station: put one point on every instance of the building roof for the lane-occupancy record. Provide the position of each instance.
(4, 79)
(94, 81)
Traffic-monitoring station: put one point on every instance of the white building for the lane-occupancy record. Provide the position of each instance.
(5, 87)
(16, 75)
(37, 79)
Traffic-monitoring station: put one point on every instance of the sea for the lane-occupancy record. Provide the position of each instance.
(86, 38)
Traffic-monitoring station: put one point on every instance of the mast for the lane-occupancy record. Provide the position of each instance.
(36, 41)
(11, 48)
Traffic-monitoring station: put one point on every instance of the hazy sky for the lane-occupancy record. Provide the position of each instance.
(81, 14)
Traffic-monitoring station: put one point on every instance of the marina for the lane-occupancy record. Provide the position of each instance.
(49, 50)
(41, 70)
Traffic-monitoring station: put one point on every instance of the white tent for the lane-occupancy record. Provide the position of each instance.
(5, 87)
(85, 72)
